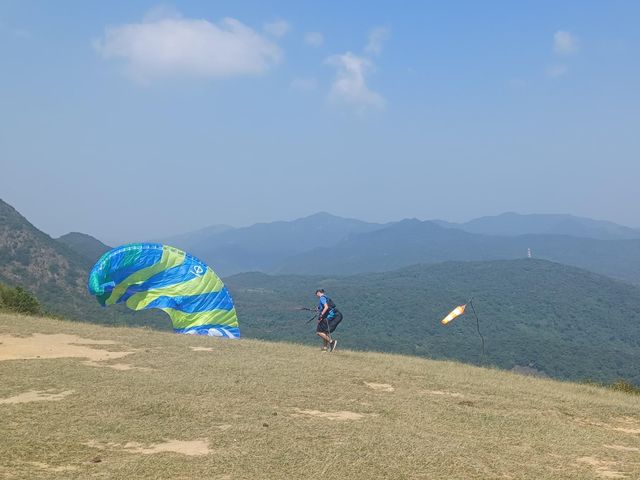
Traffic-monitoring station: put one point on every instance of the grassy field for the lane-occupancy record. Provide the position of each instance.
(124, 403)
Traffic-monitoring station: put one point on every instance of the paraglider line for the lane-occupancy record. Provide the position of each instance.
(470, 302)
(315, 316)
(328, 330)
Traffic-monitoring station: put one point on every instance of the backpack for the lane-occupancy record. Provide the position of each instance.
(332, 306)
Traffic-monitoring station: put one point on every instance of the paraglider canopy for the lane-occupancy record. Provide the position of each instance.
(152, 275)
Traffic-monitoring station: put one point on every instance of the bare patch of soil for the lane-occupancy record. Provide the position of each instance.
(337, 416)
(622, 448)
(446, 394)
(621, 424)
(58, 345)
(628, 425)
(381, 387)
(184, 447)
(115, 366)
(602, 467)
(36, 396)
(49, 468)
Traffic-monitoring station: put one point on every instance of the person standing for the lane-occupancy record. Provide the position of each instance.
(328, 319)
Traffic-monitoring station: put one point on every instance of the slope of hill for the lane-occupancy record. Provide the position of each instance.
(412, 241)
(86, 246)
(34, 260)
(263, 245)
(563, 321)
(512, 224)
(55, 273)
(132, 403)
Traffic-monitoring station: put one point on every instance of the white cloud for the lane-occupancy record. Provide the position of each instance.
(377, 37)
(164, 45)
(304, 84)
(278, 28)
(315, 39)
(558, 70)
(350, 84)
(564, 43)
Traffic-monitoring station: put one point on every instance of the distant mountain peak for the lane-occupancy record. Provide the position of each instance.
(76, 234)
(321, 214)
(326, 216)
(513, 224)
(88, 247)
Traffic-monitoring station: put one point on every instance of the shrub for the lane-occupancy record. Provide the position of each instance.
(624, 386)
(17, 299)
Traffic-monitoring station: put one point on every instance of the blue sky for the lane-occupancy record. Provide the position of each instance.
(129, 120)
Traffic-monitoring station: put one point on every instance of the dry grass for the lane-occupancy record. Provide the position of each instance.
(251, 409)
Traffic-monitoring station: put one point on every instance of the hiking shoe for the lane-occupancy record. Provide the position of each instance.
(332, 345)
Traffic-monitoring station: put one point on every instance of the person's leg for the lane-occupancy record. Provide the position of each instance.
(325, 338)
(333, 323)
(323, 334)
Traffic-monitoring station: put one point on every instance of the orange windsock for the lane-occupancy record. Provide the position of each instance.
(459, 310)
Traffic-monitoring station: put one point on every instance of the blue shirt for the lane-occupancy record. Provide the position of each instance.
(323, 302)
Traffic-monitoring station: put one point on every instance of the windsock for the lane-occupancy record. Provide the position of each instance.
(456, 312)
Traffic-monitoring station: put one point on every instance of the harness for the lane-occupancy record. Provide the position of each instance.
(332, 309)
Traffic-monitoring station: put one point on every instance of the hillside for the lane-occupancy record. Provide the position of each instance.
(86, 246)
(32, 259)
(412, 241)
(563, 321)
(55, 273)
(132, 403)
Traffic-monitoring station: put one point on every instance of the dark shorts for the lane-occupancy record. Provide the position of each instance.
(333, 323)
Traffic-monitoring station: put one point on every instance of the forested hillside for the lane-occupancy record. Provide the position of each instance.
(563, 321)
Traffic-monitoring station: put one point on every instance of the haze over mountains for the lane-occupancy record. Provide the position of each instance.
(412, 241)
(326, 244)
(512, 224)
(331, 245)
(264, 246)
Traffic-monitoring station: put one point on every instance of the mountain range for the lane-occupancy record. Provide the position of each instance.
(264, 246)
(412, 241)
(326, 244)
(512, 224)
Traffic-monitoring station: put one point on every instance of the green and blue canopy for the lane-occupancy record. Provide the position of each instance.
(152, 275)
